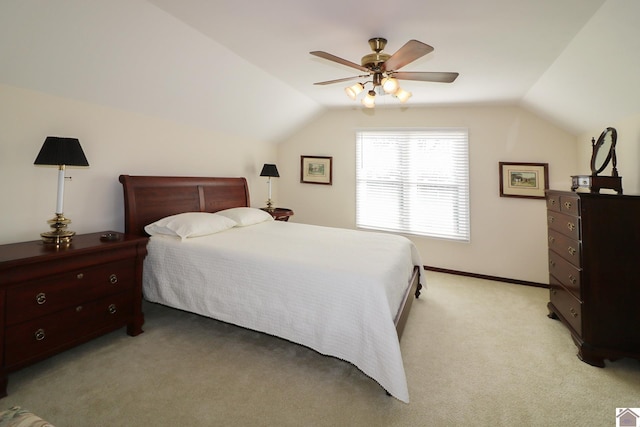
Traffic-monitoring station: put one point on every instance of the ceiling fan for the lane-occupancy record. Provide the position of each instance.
(383, 70)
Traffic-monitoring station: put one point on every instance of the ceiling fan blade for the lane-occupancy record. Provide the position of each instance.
(328, 82)
(412, 50)
(334, 58)
(426, 76)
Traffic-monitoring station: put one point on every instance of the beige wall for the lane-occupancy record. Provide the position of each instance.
(115, 142)
(508, 235)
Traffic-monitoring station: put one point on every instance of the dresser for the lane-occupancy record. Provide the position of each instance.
(594, 272)
(56, 297)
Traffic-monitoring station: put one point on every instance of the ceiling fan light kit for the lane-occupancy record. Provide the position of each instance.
(353, 91)
(383, 68)
(390, 85)
(402, 95)
(369, 101)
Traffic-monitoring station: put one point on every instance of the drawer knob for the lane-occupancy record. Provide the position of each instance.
(572, 279)
(573, 312)
(552, 239)
(80, 276)
(112, 309)
(567, 205)
(41, 298)
(113, 279)
(571, 226)
(39, 335)
(552, 202)
(552, 263)
(571, 250)
(551, 219)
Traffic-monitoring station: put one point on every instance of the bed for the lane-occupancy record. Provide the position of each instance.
(343, 293)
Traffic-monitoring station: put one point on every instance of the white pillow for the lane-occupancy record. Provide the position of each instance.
(190, 224)
(246, 216)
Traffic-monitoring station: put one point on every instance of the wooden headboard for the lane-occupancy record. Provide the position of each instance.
(150, 198)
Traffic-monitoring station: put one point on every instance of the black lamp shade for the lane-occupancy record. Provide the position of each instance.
(61, 151)
(270, 170)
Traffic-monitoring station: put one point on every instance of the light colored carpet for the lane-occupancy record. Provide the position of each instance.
(476, 352)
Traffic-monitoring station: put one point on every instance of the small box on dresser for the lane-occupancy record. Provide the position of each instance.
(56, 297)
(594, 250)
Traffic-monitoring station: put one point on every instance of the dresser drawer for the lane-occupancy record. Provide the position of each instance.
(42, 297)
(566, 247)
(569, 307)
(566, 273)
(553, 202)
(565, 224)
(570, 204)
(565, 203)
(47, 334)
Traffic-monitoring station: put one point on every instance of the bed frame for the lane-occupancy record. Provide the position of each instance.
(150, 198)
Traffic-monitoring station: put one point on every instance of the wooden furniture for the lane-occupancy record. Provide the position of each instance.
(55, 297)
(373, 334)
(279, 214)
(603, 152)
(150, 198)
(594, 241)
(596, 182)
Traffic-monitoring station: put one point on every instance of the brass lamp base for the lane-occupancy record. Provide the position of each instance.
(270, 207)
(60, 235)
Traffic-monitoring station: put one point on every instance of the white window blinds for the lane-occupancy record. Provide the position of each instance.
(413, 181)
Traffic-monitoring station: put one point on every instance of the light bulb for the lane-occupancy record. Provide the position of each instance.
(353, 91)
(369, 101)
(402, 95)
(390, 85)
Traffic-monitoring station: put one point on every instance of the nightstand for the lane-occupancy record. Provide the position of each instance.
(56, 297)
(279, 214)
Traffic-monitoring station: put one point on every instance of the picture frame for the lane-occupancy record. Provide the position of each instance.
(316, 170)
(525, 180)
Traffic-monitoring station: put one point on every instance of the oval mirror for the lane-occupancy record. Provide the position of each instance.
(604, 149)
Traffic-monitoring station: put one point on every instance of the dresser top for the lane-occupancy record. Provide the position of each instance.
(587, 194)
(33, 250)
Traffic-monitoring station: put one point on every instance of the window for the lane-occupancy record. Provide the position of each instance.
(414, 182)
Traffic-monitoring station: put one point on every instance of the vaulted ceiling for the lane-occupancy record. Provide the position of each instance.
(222, 63)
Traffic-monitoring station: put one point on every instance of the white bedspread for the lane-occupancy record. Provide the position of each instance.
(334, 290)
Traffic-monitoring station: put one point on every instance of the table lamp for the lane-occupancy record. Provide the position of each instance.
(60, 152)
(270, 170)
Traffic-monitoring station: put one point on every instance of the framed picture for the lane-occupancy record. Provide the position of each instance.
(316, 170)
(527, 180)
